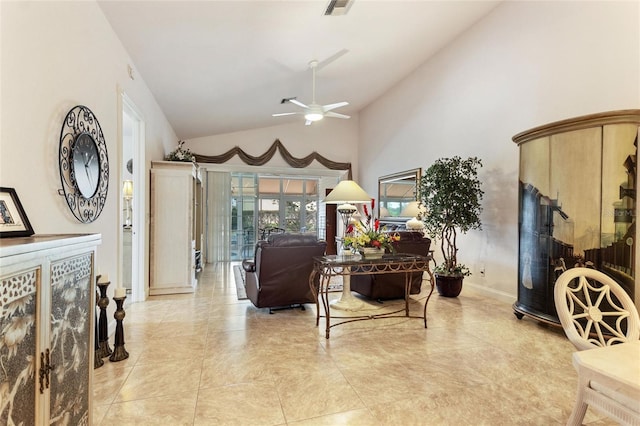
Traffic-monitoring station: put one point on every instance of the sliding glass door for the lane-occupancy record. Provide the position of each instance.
(265, 204)
(288, 203)
(243, 214)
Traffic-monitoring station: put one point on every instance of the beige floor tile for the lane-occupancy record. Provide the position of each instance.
(207, 358)
(177, 410)
(362, 417)
(107, 381)
(171, 349)
(240, 404)
(304, 395)
(98, 413)
(161, 379)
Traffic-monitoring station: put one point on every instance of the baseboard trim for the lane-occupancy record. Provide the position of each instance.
(490, 292)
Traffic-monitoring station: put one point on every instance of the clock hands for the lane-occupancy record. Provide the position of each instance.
(87, 163)
(86, 169)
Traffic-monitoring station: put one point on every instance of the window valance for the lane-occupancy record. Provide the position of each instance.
(261, 160)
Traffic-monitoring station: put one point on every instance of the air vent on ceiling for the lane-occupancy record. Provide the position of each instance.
(338, 7)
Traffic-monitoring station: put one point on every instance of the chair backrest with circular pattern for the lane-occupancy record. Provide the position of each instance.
(594, 310)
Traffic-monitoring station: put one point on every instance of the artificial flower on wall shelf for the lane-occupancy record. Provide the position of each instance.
(180, 154)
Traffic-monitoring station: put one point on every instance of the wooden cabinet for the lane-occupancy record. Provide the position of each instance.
(47, 302)
(174, 214)
(577, 205)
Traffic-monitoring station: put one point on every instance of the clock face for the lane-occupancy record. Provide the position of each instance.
(85, 165)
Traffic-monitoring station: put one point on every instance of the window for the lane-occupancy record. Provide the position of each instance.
(276, 203)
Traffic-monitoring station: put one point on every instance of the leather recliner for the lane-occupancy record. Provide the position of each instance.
(391, 286)
(278, 276)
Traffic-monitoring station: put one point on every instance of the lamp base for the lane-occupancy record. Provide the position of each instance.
(347, 302)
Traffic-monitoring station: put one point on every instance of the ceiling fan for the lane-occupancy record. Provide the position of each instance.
(313, 111)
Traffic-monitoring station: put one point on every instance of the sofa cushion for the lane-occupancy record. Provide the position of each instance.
(391, 286)
(279, 273)
(291, 240)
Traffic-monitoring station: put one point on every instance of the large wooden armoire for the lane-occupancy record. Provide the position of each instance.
(577, 205)
(176, 212)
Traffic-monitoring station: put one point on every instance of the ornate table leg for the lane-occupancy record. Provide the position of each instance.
(119, 352)
(315, 291)
(103, 333)
(432, 281)
(407, 291)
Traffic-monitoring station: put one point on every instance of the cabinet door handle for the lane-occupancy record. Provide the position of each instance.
(45, 369)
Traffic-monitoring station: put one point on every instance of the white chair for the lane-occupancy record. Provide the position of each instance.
(595, 312)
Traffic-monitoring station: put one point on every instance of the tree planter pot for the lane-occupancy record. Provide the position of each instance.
(448, 286)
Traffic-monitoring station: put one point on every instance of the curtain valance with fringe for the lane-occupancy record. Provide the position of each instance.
(261, 160)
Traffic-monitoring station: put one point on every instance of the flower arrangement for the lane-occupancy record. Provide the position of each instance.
(367, 233)
(180, 154)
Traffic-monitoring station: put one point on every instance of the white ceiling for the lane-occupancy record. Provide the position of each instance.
(222, 66)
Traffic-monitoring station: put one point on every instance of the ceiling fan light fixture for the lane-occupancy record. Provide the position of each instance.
(313, 116)
(313, 112)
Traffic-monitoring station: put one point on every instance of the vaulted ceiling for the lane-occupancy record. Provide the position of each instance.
(222, 66)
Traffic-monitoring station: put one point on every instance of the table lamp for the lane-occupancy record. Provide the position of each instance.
(127, 194)
(414, 210)
(345, 194)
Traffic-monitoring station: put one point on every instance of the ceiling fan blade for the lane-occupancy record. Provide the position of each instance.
(297, 102)
(285, 113)
(335, 115)
(332, 58)
(334, 106)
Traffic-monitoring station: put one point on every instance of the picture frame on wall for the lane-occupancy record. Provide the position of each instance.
(13, 219)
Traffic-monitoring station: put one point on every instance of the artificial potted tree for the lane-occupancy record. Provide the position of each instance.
(450, 191)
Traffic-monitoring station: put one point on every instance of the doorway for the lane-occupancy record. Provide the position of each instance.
(132, 190)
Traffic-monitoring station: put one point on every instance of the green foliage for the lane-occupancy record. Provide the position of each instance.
(181, 154)
(460, 270)
(451, 192)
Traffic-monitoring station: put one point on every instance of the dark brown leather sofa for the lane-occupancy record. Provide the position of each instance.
(278, 276)
(391, 286)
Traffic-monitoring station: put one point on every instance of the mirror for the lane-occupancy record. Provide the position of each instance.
(395, 192)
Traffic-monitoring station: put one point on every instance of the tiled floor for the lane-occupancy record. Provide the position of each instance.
(209, 359)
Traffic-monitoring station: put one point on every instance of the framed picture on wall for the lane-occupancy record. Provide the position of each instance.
(13, 219)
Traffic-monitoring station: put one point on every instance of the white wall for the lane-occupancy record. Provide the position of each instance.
(55, 55)
(524, 65)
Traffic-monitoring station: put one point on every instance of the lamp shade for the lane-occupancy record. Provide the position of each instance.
(347, 191)
(413, 209)
(127, 189)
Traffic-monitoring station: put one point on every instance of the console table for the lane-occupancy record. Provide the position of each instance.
(326, 267)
